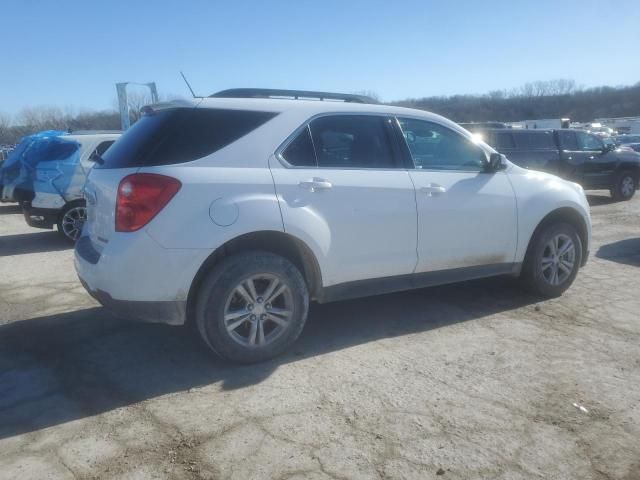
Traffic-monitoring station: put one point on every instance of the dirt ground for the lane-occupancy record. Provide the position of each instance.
(475, 380)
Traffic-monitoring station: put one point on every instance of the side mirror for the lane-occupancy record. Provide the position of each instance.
(497, 162)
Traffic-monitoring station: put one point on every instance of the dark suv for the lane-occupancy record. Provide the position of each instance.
(576, 155)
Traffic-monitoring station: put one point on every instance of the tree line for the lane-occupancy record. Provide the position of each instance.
(543, 99)
(559, 98)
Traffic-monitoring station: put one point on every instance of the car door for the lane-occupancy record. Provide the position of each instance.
(342, 187)
(600, 164)
(467, 217)
(572, 158)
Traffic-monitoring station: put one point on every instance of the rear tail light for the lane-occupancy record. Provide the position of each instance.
(141, 196)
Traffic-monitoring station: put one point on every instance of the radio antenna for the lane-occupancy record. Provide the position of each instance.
(188, 85)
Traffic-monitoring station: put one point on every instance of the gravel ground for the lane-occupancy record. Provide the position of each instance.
(475, 380)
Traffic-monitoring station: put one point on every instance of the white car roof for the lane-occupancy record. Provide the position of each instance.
(310, 108)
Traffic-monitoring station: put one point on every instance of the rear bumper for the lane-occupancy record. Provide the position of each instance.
(170, 313)
(40, 217)
(137, 278)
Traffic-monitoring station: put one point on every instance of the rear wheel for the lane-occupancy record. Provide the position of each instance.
(624, 187)
(72, 220)
(252, 307)
(553, 259)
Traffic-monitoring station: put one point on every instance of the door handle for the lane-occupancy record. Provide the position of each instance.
(433, 189)
(316, 184)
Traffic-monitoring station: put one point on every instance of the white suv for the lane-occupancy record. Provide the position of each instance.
(233, 212)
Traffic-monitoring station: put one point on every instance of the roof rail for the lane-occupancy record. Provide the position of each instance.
(293, 94)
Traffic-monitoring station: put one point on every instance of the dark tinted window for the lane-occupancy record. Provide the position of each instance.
(589, 142)
(534, 140)
(180, 135)
(100, 149)
(568, 140)
(503, 141)
(299, 152)
(356, 141)
(435, 147)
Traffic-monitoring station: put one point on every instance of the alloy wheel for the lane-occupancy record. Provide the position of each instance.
(558, 259)
(73, 221)
(258, 310)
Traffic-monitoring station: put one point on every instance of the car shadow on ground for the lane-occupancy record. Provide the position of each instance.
(8, 209)
(63, 367)
(36, 242)
(623, 251)
(598, 200)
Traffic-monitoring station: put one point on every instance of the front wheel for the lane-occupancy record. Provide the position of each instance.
(252, 307)
(624, 187)
(553, 260)
(71, 221)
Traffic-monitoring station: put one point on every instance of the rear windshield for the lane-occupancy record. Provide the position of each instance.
(180, 135)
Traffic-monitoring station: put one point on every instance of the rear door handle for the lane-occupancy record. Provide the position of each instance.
(316, 184)
(433, 189)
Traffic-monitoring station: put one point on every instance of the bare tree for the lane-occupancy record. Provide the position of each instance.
(5, 125)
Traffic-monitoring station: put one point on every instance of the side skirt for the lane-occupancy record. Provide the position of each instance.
(378, 286)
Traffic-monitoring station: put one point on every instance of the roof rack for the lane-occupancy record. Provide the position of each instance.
(292, 94)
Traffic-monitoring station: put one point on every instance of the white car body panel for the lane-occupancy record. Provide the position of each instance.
(473, 222)
(362, 227)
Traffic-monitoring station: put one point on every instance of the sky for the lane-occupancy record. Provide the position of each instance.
(70, 53)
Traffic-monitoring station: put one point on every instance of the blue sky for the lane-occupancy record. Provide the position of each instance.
(71, 53)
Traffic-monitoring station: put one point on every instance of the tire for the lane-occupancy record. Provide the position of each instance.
(624, 186)
(71, 221)
(220, 293)
(538, 274)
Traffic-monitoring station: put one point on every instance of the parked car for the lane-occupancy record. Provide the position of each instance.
(575, 155)
(14, 185)
(47, 175)
(234, 212)
(629, 141)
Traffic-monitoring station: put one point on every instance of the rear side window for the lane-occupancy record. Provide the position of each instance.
(100, 149)
(352, 141)
(534, 140)
(568, 140)
(181, 135)
(299, 152)
(504, 141)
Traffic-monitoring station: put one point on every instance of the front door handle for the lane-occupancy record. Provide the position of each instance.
(433, 189)
(316, 184)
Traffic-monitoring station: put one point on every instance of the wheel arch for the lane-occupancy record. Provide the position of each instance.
(568, 215)
(280, 243)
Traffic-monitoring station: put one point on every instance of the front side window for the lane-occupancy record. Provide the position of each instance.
(352, 141)
(588, 142)
(435, 147)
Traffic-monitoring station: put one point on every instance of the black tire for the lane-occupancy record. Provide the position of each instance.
(217, 289)
(624, 186)
(69, 209)
(534, 278)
